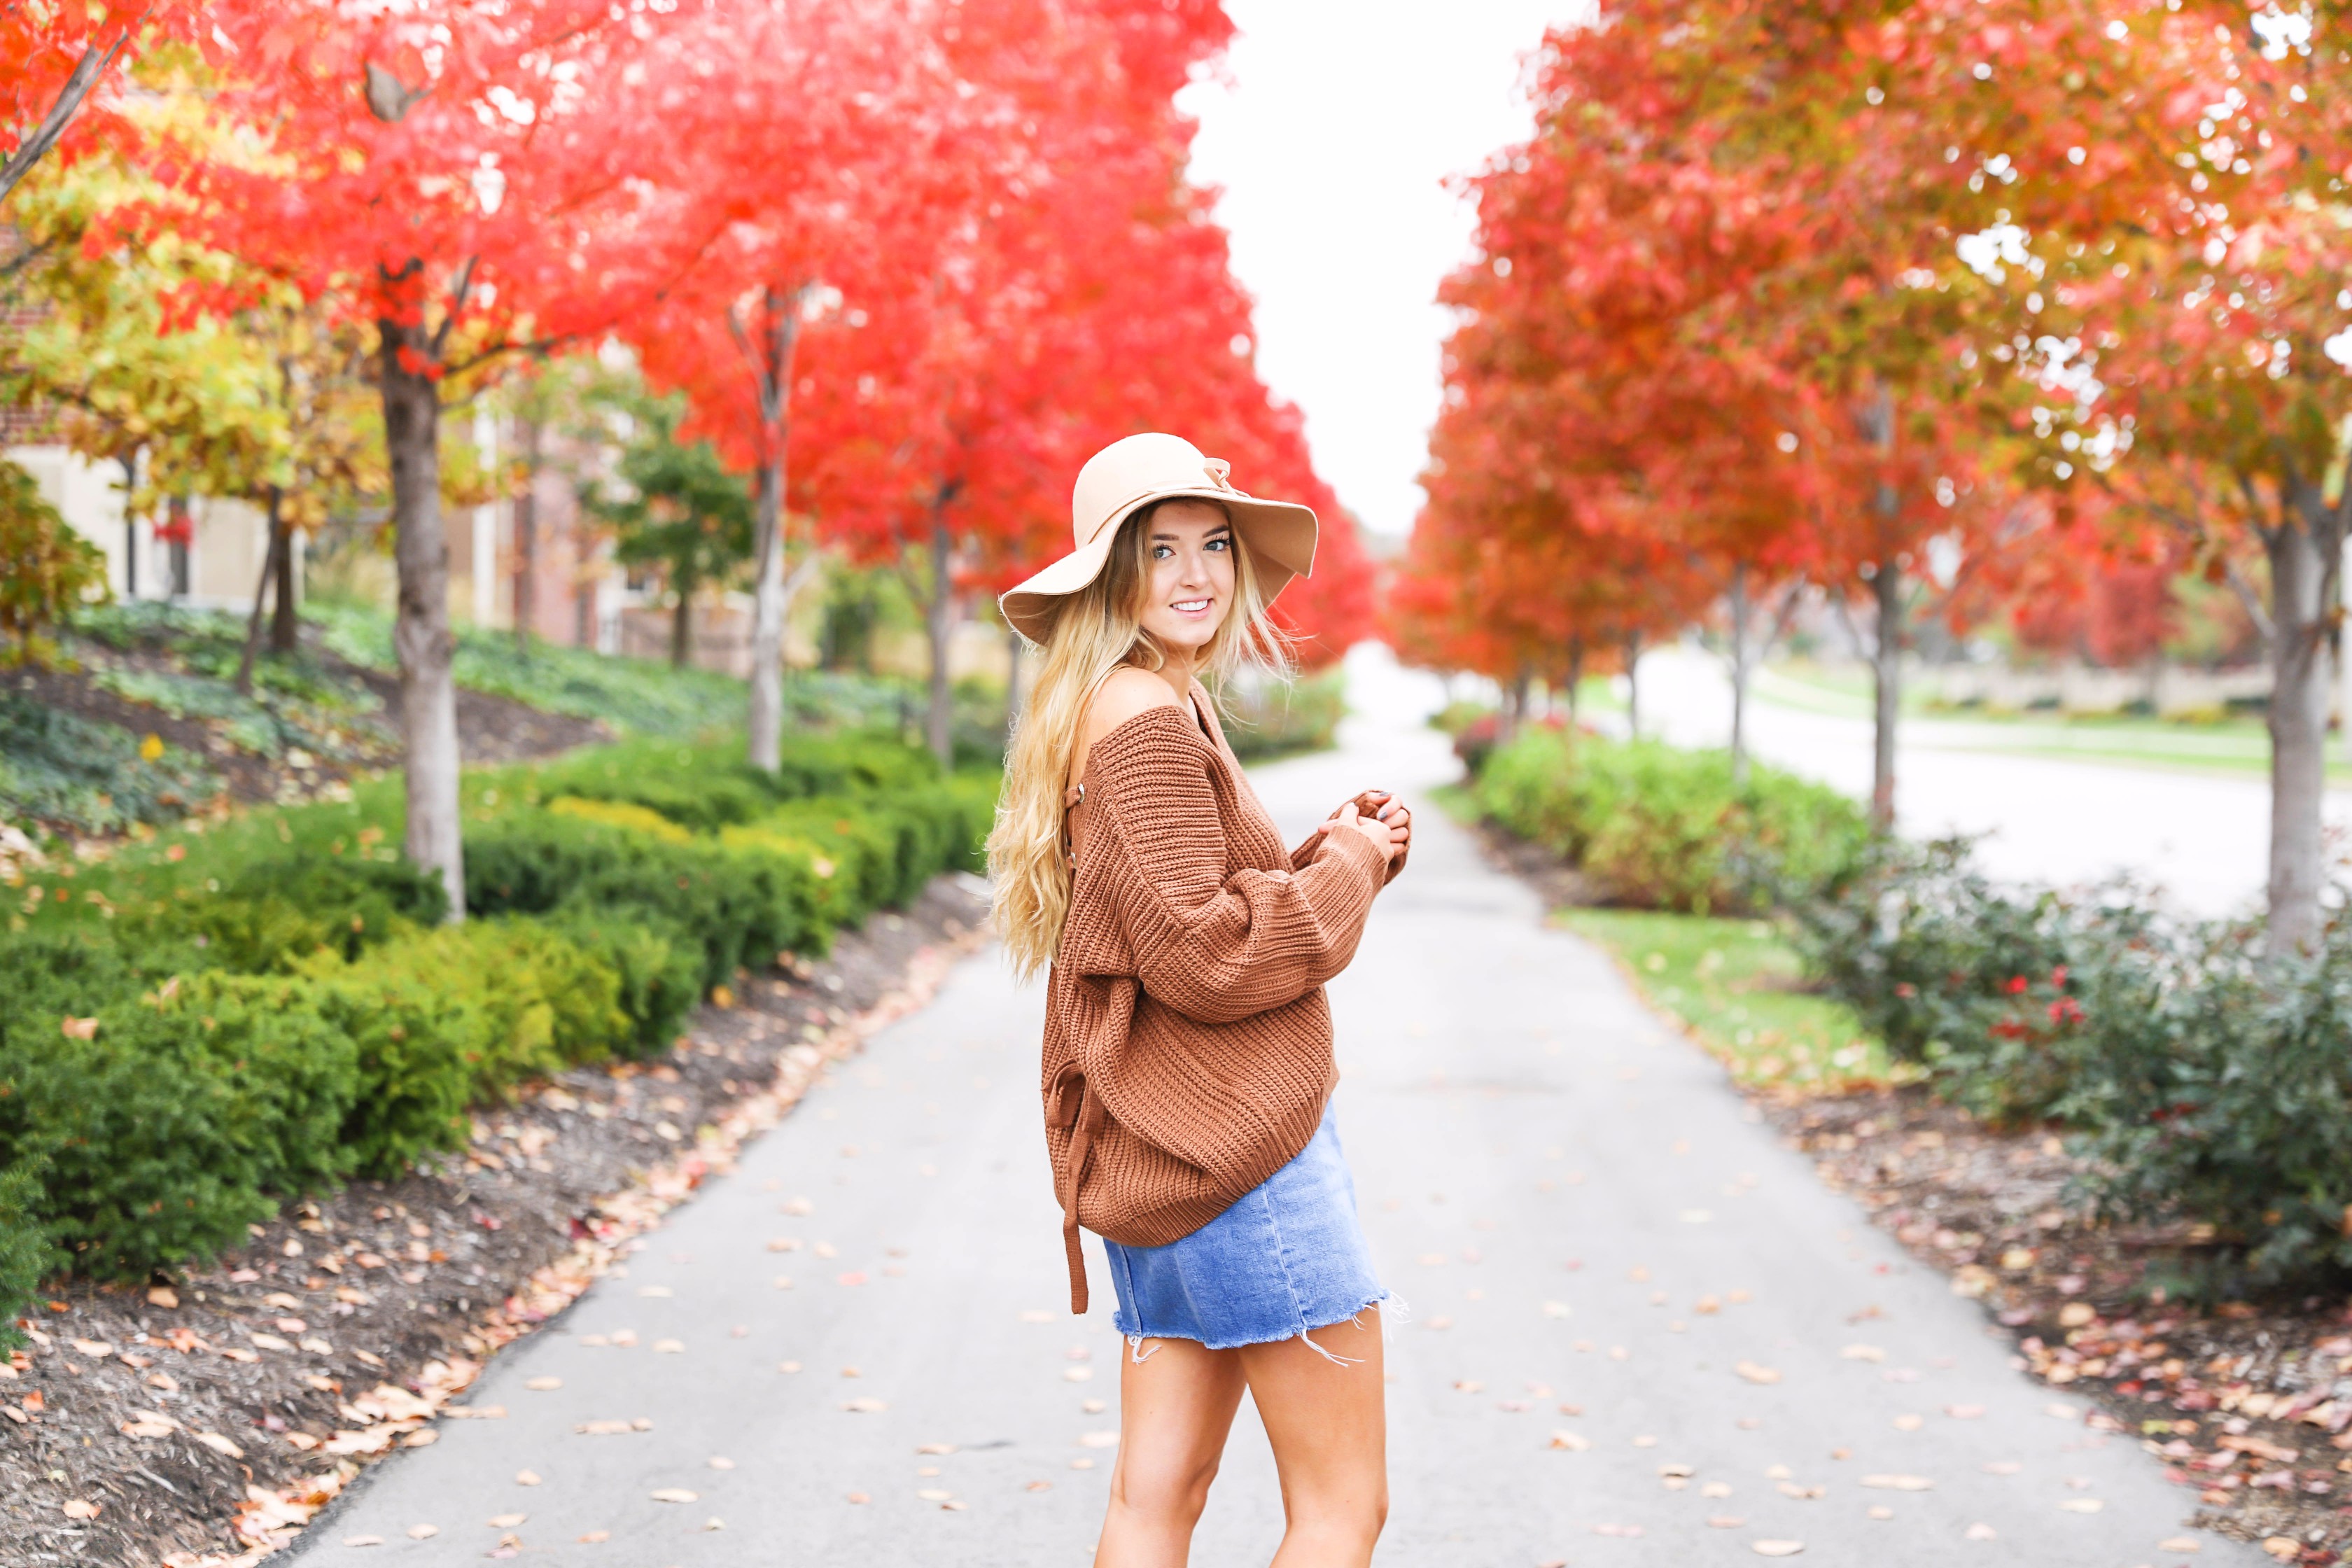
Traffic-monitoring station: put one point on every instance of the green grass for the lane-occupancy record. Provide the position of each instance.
(1735, 985)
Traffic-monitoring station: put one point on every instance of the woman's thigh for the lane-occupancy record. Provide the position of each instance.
(1326, 1419)
(1176, 1406)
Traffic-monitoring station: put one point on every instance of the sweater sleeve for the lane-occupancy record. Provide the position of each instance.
(1214, 947)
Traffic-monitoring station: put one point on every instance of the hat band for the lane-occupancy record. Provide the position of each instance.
(1215, 468)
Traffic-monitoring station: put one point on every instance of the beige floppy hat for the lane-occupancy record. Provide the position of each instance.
(1133, 473)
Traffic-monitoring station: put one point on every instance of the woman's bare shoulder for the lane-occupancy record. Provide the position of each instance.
(1123, 695)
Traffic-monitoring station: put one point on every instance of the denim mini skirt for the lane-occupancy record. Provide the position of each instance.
(1289, 1256)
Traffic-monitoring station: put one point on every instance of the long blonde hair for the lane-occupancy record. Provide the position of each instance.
(1098, 628)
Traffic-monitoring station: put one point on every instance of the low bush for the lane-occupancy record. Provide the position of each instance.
(1657, 826)
(192, 1031)
(65, 773)
(1281, 719)
(24, 1250)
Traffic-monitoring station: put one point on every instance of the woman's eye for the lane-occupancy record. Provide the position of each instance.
(1160, 553)
(1221, 544)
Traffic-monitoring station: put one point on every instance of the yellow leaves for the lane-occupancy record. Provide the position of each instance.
(150, 747)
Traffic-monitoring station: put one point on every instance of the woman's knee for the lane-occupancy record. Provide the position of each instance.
(1174, 1490)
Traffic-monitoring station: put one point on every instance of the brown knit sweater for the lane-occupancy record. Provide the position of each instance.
(1188, 1042)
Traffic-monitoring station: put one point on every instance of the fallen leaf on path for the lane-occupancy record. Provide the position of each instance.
(1909, 1423)
(543, 1384)
(935, 1447)
(1467, 1385)
(507, 1521)
(1574, 1442)
(1862, 1352)
(788, 1366)
(719, 1462)
(672, 1494)
(2082, 1505)
(1645, 1441)
(526, 1478)
(1725, 1521)
(1098, 1440)
(2001, 1467)
(2063, 1412)
(1440, 1322)
(78, 1508)
(363, 1541)
(855, 1277)
(2286, 1548)
(1036, 1315)
(1776, 1548)
(1041, 1485)
(423, 1531)
(655, 1292)
(1899, 1483)
(1982, 1532)
(1802, 1493)
(1879, 1510)
(595, 1537)
(670, 1347)
(1716, 1489)
(1554, 1310)
(933, 1494)
(2180, 1543)
(1965, 1411)
(865, 1407)
(164, 1296)
(859, 1497)
(1628, 1531)
(220, 1445)
(1754, 1373)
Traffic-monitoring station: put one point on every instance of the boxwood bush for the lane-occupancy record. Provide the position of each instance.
(203, 1026)
(1657, 827)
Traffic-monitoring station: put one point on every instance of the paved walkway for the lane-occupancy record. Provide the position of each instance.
(1636, 1318)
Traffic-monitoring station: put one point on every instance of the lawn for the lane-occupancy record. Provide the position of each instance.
(1737, 986)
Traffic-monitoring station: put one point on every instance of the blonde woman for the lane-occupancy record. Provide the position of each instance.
(1188, 1066)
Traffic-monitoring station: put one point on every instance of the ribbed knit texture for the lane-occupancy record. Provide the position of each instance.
(1188, 1041)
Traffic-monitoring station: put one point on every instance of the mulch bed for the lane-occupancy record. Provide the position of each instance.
(201, 1422)
(2247, 1403)
(491, 729)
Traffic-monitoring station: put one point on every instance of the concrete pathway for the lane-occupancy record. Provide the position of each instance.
(1635, 1318)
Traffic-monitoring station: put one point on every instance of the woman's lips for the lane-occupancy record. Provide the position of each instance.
(1189, 607)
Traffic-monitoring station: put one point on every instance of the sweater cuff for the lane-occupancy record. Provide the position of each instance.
(1362, 850)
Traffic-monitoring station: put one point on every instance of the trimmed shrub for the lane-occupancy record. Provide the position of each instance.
(1657, 826)
(273, 915)
(167, 1119)
(24, 1250)
(1280, 719)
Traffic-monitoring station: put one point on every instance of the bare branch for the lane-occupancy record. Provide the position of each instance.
(456, 306)
(2252, 603)
(36, 147)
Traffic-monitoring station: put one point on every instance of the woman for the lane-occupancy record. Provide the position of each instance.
(1188, 1066)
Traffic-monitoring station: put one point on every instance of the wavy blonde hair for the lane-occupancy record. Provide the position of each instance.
(1098, 628)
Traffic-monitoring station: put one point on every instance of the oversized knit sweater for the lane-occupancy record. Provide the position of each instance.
(1188, 1041)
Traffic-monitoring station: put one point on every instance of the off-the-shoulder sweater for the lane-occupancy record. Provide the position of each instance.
(1188, 1040)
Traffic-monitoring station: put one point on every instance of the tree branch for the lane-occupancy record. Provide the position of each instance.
(456, 306)
(36, 147)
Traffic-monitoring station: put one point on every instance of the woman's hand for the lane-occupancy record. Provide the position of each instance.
(1379, 817)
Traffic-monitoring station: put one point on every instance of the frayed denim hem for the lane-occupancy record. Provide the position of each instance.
(1392, 1309)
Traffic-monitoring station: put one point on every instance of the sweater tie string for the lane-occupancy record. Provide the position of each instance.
(1069, 1106)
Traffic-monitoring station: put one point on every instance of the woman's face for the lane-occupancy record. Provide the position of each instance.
(1189, 566)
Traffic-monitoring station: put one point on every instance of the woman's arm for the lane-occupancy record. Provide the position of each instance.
(1214, 947)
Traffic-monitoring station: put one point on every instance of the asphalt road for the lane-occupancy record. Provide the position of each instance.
(2202, 838)
(1596, 1238)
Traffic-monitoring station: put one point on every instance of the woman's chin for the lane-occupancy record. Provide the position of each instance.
(1192, 635)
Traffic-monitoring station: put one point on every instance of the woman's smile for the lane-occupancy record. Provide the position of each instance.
(1191, 606)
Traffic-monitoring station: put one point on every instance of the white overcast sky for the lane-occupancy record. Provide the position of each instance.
(1332, 138)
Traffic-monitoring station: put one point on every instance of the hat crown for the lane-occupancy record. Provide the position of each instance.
(1131, 468)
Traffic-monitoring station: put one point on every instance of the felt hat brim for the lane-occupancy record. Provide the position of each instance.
(1278, 535)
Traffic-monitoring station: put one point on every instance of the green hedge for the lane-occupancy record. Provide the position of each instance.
(217, 1021)
(1657, 826)
(2203, 1081)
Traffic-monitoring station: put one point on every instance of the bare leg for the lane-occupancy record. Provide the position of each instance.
(1175, 1408)
(1328, 1426)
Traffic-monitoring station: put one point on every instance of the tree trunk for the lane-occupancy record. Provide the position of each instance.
(773, 372)
(1514, 710)
(1886, 680)
(939, 620)
(681, 627)
(2300, 590)
(1575, 678)
(420, 636)
(526, 537)
(130, 527)
(1633, 686)
(1739, 614)
(1012, 641)
(285, 620)
(276, 547)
